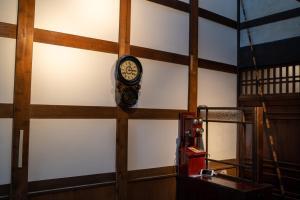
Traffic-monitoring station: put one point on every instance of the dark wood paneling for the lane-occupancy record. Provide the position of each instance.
(6, 110)
(159, 55)
(106, 192)
(8, 30)
(144, 113)
(68, 40)
(271, 18)
(178, 5)
(4, 190)
(193, 54)
(71, 112)
(217, 66)
(155, 189)
(22, 84)
(153, 173)
(284, 113)
(280, 52)
(61, 184)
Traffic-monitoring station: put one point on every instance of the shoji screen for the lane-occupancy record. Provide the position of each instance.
(152, 143)
(8, 14)
(72, 76)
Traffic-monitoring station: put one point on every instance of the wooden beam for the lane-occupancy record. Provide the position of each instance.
(193, 54)
(24, 48)
(68, 40)
(217, 66)
(159, 55)
(8, 30)
(271, 18)
(144, 113)
(71, 112)
(122, 116)
(178, 5)
(185, 7)
(206, 14)
(6, 110)
(63, 39)
(257, 145)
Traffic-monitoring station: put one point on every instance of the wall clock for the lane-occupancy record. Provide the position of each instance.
(128, 74)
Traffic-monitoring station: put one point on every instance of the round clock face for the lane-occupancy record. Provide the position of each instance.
(129, 70)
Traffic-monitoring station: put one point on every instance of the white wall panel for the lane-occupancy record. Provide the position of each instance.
(152, 143)
(5, 150)
(271, 32)
(8, 11)
(225, 8)
(69, 76)
(91, 18)
(218, 89)
(63, 148)
(217, 42)
(259, 8)
(7, 69)
(164, 85)
(159, 27)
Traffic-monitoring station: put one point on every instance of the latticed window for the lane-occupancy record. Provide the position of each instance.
(274, 80)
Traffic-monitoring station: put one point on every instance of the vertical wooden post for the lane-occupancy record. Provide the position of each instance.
(257, 145)
(21, 118)
(122, 116)
(193, 53)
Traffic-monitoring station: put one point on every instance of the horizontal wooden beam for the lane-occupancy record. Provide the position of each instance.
(8, 30)
(206, 14)
(144, 113)
(272, 100)
(185, 7)
(6, 110)
(71, 112)
(75, 41)
(217, 66)
(159, 55)
(271, 18)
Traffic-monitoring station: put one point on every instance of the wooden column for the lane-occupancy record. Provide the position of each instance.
(257, 145)
(20, 142)
(193, 53)
(122, 116)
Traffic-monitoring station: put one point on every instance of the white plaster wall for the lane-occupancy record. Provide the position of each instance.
(259, 8)
(69, 76)
(217, 42)
(218, 89)
(152, 143)
(159, 27)
(227, 8)
(7, 69)
(272, 32)
(5, 150)
(164, 85)
(71, 147)
(91, 18)
(8, 11)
